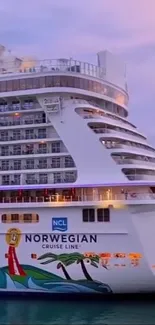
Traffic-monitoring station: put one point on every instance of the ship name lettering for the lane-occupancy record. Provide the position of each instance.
(56, 246)
(57, 238)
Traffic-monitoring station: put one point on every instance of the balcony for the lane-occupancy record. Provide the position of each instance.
(127, 145)
(36, 166)
(23, 153)
(18, 107)
(130, 161)
(135, 198)
(21, 122)
(8, 182)
(140, 177)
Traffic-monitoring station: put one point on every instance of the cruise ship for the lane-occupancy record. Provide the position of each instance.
(77, 180)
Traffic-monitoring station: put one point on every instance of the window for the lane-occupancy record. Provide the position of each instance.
(17, 149)
(3, 86)
(57, 178)
(16, 180)
(15, 217)
(31, 179)
(103, 215)
(42, 148)
(65, 81)
(4, 218)
(20, 218)
(5, 179)
(29, 84)
(4, 136)
(22, 84)
(28, 218)
(17, 164)
(55, 147)
(28, 119)
(43, 178)
(29, 164)
(5, 150)
(29, 149)
(56, 162)
(69, 162)
(16, 135)
(5, 164)
(42, 133)
(49, 81)
(42, 163)
(40, 118)
(29, 134)
(88, 215)
(15, 84)
(70, 177)
(9, 85)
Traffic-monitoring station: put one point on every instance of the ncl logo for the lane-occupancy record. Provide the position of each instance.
(59, 224)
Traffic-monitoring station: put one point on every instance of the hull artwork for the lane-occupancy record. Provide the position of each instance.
(57, 263)
(16, 276)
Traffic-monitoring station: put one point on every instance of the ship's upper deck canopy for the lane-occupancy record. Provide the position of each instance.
(109, 67)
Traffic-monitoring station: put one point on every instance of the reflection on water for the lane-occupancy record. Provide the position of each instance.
(45, 312)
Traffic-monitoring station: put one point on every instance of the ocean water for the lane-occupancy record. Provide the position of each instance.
(32, 312)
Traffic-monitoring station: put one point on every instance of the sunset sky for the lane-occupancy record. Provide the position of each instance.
(81, 28)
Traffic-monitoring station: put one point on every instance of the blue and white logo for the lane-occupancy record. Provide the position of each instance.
(59, 224)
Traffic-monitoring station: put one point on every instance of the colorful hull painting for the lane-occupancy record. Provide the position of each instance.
(27, 277)
(55, 263)
(39, 280)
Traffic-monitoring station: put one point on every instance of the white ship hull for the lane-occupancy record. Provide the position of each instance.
(79, 258)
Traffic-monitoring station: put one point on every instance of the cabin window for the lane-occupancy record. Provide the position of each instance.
(88, 215)
(15, 217)
(103, 215)
(4, 218)
(20, 218)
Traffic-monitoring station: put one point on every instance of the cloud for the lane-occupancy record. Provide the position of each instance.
(119, 25)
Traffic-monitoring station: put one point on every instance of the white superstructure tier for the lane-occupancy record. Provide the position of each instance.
(64, 121)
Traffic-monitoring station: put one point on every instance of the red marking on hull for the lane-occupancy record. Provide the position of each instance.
(13, 264)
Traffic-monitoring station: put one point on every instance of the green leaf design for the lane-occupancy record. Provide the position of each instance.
(62, 257)
(47, 255)
(48, 261)
(68, 259)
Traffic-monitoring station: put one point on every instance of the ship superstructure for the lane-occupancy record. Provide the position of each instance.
(73, 165)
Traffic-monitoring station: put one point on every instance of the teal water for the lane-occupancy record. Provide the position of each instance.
(32, 312)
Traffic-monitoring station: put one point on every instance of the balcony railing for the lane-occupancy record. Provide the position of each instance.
(37, 181)
(19, 137)
(84, 198)
(138, 177)
(58, 66)
(36, 166)
(20, 107)
(129, 161)
(23, 153)
(22, 122)
(128, 146)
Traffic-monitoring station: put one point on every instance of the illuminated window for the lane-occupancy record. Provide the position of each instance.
(4, 218)
(15, 217)
(20, 218)
(27, 217)
(103, 215)
(88, 215)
